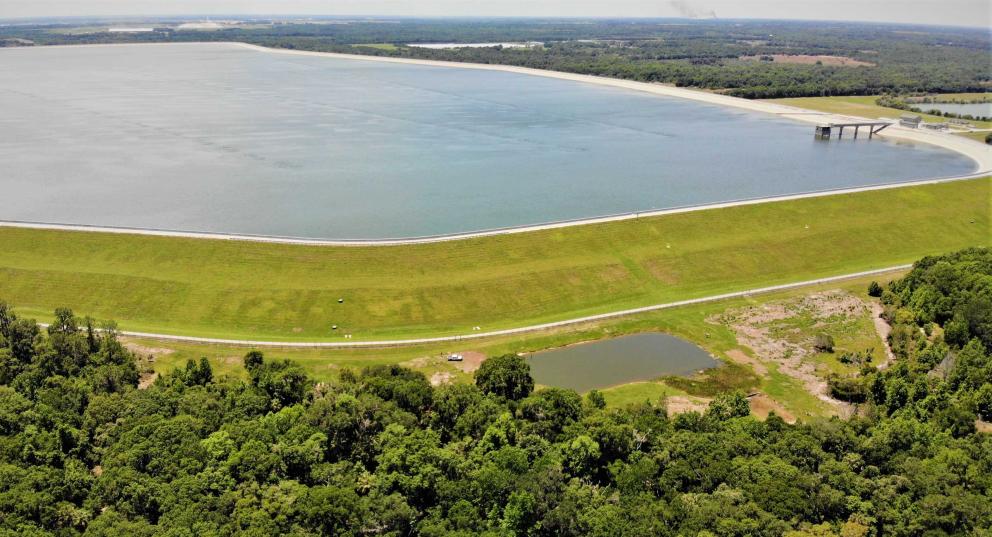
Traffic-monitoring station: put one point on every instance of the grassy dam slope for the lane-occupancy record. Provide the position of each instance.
(241, 289)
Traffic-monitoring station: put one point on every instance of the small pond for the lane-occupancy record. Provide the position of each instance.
(972, 109)
(609, 362)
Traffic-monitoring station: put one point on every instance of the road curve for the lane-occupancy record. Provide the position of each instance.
(508, 331)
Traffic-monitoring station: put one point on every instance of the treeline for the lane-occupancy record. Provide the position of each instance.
(941, 318)
(83, 451)
(705, 54)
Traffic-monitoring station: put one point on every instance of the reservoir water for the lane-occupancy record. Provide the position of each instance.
(220, 138)
(610, 362)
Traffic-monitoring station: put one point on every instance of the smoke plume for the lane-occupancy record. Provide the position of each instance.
(691, 11)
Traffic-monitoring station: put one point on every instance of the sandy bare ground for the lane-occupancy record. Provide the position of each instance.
(143, 350)
(762, 405)
(883, 329)
(146, 357)
(147, 379)
(983, 426)
(680, 404)
(471, 360)
(753, 326)
(741, 358)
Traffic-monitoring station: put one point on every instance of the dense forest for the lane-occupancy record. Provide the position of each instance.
(85, 451)
(738, 57)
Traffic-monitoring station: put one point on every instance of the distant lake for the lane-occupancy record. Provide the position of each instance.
(601, 364)
(220, 138)
(973, 109)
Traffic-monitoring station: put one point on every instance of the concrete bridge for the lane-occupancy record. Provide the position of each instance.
(874, 127)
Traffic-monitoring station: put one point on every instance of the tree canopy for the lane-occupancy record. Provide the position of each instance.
(84, 451)
(752, 59)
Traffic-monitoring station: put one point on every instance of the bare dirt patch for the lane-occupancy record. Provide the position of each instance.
(811, 59)
(883, 330)
(983, 426)
(143, 350)
(471, 360)
(680, 404)
(741, 358)
(762, 405)
(146, 380)
(763, 328)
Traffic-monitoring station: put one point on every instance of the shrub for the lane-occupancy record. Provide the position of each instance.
(824, 343)
(874, 289)
(852, 390)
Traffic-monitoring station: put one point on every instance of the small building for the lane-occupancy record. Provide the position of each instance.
(911, 121)
(936, 126)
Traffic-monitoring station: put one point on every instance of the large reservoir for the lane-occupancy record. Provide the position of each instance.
(221, 138)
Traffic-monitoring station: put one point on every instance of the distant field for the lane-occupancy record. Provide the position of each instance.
(808, 59)
(866, 107)
(236, 289)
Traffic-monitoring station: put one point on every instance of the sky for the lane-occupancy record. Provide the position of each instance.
(949, 12)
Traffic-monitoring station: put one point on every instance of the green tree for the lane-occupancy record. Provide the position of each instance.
(505, 376)
(874, 289)
(6, 318)
(728, 406)
(64, 323)
(596, 400)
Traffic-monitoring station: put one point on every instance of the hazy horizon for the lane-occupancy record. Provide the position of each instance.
(967, 13)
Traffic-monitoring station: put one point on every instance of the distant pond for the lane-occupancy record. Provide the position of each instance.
(601, 364)
(971, 109)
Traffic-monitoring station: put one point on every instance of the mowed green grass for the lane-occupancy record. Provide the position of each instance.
(692, 323)
(866, 107)
(240, 289)
(978, 136)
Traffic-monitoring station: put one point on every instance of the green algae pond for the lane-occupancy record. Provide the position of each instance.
(609, 362)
